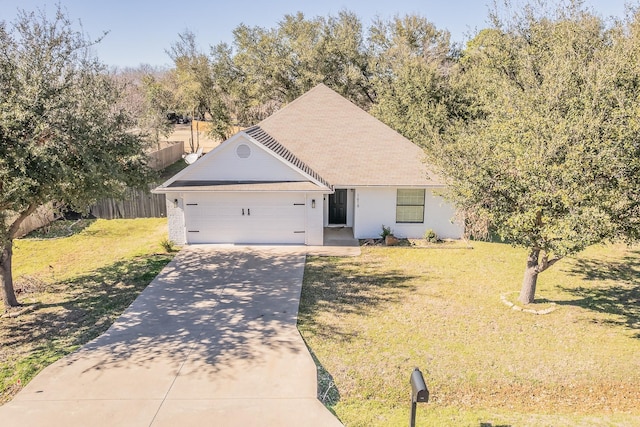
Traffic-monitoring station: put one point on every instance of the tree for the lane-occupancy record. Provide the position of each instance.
(266, 68)
(192, 74)
(392, 68)
(343, 59)
(61, 136)
(549, 156)
(148, 97)
(411, 70)
(158, 102)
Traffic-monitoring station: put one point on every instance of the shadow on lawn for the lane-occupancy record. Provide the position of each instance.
(338, 286)
(617, 294)
(347, 286)
(60, 228)
(93, 303)
(327, 391)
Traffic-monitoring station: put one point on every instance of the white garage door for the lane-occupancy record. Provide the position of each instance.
(245, 218)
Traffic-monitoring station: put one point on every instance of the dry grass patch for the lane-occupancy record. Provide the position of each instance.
(371, 320)
(182, 132)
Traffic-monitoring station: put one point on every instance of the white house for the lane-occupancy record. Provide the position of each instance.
(320, 161)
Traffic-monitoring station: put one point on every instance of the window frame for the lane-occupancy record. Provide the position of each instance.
(409, 204)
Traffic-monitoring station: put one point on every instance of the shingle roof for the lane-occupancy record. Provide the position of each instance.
(257, 133)
(344, 144)
(331, 140)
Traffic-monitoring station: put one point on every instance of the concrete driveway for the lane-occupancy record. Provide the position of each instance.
(211, 341)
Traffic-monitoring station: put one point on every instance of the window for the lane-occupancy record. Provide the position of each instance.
(410, 205)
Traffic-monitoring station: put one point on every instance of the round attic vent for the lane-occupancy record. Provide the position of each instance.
(243, 151)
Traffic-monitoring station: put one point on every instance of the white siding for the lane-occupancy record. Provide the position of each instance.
(224, 164)
(351, 195)
(275, 219)
(375, 207)
(440, 216)
(315, 229)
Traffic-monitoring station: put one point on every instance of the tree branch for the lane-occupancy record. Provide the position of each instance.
(545, 262)
(13, 229)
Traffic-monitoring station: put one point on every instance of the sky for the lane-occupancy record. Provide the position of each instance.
(141, 30)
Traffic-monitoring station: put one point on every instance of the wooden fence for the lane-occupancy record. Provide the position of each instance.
(167, 156)
(136, 204)
(41, 217)
(140, 203)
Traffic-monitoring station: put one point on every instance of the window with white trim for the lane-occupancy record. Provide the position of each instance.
(410, 205)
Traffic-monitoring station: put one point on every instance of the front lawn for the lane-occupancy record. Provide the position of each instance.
(371, 320)
(77, 286)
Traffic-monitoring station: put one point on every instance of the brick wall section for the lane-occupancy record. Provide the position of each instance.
(175, 219)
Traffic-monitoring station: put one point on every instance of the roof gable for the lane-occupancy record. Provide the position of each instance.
(345, 144)
(243, 160)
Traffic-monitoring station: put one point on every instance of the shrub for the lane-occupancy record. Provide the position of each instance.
(386, 231)
(431, 236)
(168, 245)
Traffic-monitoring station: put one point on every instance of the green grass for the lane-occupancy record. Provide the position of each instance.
(171, 170)
(96, 246)
(79, 285)
(370, 320)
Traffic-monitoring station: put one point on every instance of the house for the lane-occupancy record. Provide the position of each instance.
(320, 161)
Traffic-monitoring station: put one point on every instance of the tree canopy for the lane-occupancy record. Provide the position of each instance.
(62, 136)
(549, 154)
(265, 68)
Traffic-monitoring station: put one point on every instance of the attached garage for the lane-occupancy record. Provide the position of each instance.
(245, 218)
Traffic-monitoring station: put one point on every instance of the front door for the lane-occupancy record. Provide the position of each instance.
(338, 207)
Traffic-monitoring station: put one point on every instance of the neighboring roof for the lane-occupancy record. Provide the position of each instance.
(344, 144)
(224, 186)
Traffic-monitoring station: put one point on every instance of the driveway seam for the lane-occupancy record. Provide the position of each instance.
(192, 347)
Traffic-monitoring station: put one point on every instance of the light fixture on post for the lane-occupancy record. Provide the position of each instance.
(175, 203)
(313, 203)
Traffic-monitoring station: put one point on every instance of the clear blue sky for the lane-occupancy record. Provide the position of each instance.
(141, 30)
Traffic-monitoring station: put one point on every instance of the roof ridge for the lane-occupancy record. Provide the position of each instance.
(304, 95)
(269, 142)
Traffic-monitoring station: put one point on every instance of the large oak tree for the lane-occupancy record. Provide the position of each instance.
(62, 138)
(551, 158)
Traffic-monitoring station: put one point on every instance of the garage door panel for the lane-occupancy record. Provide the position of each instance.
(268, 218)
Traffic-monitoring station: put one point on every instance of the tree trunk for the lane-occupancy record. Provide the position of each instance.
(6, 277)
(192, 142)
(528, 291)
(198, 135)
